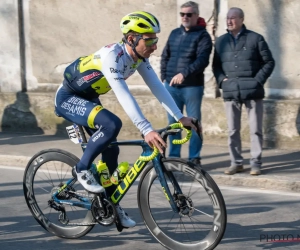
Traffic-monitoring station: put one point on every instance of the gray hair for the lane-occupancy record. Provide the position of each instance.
(192, 4)
(240, 11)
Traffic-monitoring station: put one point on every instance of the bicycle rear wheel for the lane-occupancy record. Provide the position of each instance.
(46, 172)
(201, 222)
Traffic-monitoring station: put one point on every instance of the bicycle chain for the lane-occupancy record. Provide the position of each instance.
(82, 224)
(81, 194)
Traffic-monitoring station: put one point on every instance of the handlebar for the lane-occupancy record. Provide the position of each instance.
(188, 133)
(150, 157)
(165, 131)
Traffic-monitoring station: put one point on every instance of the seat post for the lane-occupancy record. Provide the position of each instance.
(82, 133)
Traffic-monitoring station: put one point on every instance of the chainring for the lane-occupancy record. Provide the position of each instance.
(106, 215)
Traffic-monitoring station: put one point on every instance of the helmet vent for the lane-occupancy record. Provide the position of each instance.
(125, 22)
(154, 19)
(145, 18)
(141, 25)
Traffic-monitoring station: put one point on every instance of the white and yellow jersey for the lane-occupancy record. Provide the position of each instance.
(107, 69)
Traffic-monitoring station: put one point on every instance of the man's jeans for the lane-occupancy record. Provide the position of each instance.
(191, 98)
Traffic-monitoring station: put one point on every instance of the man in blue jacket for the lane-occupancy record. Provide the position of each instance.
(242, 64)
(184, 59)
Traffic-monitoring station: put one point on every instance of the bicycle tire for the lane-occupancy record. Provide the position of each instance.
(179, 237)
(37, 176)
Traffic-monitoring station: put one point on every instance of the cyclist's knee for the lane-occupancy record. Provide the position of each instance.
(109, 121)
(116, 124)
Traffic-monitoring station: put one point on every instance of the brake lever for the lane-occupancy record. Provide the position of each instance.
(198, 127)
(164, 136)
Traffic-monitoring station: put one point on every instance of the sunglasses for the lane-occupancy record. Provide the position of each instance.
(186, 14)
(150, 41)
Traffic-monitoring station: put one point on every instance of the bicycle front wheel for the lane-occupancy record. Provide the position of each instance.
(45, 174)
(201, 218)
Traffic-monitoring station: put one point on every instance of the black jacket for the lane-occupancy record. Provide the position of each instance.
(186, 52)
(247, 65)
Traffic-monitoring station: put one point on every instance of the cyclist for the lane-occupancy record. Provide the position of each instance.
(77, 98)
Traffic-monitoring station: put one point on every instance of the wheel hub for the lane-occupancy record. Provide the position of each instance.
(185, 205)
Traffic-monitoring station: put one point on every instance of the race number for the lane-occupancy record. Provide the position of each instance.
(74, 133)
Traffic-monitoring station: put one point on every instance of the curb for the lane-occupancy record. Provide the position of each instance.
(14, 160)
(260, 182)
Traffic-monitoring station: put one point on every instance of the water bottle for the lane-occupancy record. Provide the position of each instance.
(104, 174)
(119, 173)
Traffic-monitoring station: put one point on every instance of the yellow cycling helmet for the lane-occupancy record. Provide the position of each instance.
(140, 22)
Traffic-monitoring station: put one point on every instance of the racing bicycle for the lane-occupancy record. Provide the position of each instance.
(179, 202)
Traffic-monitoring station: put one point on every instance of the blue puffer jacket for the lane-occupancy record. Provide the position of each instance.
(186, 52)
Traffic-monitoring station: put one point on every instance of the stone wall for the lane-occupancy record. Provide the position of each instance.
(34, 113)
(9, 47)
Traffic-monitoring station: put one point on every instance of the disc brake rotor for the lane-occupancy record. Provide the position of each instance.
(185, 205)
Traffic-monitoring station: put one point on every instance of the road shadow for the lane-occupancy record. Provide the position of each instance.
(27, 138)
(61, 128)
(261, 234)
(18, 223)
(32, 235)
(18, 117)
(286, 163)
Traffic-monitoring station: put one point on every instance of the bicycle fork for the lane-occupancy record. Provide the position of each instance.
(172, 198)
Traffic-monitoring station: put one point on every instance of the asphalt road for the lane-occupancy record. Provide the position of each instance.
(255, 218)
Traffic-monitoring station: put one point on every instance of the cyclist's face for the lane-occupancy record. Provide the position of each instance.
(147, 45)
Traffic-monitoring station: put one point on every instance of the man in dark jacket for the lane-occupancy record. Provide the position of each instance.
(242, 64)
(183, 61)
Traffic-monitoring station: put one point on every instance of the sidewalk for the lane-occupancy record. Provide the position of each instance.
(281, 168)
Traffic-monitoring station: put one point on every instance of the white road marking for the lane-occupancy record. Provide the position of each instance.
(40, 171)
(11, 168)
(256, 190)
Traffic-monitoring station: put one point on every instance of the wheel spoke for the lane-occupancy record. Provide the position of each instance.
(185, 230)
(47, 173)
(204, 213)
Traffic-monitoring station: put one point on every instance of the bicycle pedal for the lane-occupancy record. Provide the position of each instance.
(119, 227)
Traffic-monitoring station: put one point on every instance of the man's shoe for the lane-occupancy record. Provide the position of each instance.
(124, 219)
(234, 169)
(255, 170)
(196, 161)
(87, 180)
